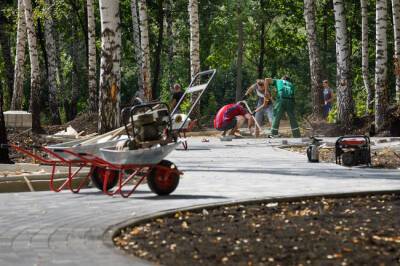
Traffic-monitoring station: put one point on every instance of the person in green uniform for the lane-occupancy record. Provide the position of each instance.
(284, 103)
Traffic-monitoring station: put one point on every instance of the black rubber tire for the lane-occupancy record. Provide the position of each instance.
(161, 184)
(97, 178)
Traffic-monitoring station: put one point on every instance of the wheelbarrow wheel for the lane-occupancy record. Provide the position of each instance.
(99, 175)
(163, 181)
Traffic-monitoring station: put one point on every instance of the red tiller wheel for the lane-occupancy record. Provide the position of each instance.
(163, 180)
(99, 175)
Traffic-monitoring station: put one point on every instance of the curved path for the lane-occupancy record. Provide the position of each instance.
(46, 228)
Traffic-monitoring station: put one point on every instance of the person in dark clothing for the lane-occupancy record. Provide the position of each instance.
(328, 98)
(177, 94)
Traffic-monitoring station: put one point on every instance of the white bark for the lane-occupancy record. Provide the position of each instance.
(364, 51)
(381, 65)
(34, 105)
(17, 98)
(314, 56)
(144, 31)
(344, 90)
(53, 79)
(396, 32)
(136, 43)
(193, 9)
(110, 66)
(92, 84)
(194, 37)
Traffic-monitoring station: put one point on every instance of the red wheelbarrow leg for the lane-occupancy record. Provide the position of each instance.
(52, 186)
(129, 178)
(83, 182)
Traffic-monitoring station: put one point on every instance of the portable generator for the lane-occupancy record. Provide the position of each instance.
(353, 150)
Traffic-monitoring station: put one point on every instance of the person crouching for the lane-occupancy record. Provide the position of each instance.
(230, 118)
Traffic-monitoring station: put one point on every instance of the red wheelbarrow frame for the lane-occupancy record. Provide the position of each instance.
(89, 160)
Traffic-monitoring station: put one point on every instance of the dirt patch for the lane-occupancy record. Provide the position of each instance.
(83, 122)
(383, 159)
(347, 231)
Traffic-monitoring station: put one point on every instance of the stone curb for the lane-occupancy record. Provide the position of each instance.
(113, 230)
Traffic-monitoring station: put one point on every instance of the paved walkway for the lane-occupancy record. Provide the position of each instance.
(46, 228)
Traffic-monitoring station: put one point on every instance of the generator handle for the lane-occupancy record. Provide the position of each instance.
(367, 139)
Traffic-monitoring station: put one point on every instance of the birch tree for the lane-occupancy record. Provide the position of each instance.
(34, 104)
(396, 34)
(314, 56)
(92, 84)
(364, 52)
(17, 97)
(193, 9)
(110, 66)
(52, 65)
(344, 90)
(381, 65)
(145, 46)
(136, 43)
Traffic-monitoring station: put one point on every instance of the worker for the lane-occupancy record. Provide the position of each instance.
(177, 94)
(231, 117)
(328, 99)
(264, 103)
(284, 102)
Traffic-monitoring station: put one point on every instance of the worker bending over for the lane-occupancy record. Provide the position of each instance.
(284, 102)
(231, 117)
(264, 107)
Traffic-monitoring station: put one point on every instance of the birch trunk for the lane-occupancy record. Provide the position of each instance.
(381, 66)
(396, 33)
(145, 46)
(344, 90)
(136, 42)
(110, 66)
(364, 52)
(314, 56)
(17, 98)
(34, 105)
(239, 62)
(52, 69)
(92, 84)
(193, 9)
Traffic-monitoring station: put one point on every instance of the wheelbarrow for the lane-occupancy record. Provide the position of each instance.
(110, 166)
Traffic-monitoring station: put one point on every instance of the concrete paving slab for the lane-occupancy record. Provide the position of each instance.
(70, 227)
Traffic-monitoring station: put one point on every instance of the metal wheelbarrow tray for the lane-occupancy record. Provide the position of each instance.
(152, 155)
(78, 146)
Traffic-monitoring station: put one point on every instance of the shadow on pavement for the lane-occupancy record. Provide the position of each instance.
(180, 197)
(337, 173)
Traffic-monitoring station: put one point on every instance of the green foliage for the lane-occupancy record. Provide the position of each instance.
(285, 48)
